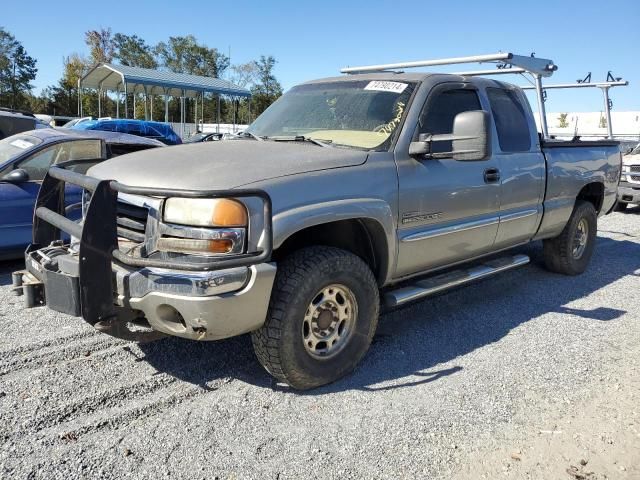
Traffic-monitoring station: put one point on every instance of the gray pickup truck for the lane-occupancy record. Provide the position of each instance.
(348, 194)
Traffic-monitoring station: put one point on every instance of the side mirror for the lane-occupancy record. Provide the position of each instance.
(474, 136)
(422, 147)
(471, 139)
(16, 176)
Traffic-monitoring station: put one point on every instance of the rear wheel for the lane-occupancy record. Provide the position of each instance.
(322, 316)
(570, 252)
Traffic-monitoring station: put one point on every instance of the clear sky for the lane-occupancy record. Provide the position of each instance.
(315, 39)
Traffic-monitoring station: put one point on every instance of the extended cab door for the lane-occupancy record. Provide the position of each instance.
(448, 209)
(516, 148)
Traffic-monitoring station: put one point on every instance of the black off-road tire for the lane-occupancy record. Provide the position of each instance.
(620, 206)
(279, 344)
(558, 251)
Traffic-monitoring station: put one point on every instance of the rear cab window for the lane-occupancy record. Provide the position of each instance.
(511, 120)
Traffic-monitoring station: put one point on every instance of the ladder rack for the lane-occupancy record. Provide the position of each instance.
(604, 86)
(506, 62)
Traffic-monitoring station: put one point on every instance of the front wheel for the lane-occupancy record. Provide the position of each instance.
(570, 252)
(322, 316)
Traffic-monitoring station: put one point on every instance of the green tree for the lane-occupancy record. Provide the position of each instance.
(17, 71)
(562, 119)
(101, 45)
(267, 88)
(186, 55)
(133, 51)
(62, 99)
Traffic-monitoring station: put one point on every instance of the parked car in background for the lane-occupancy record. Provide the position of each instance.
(204, 137)
(142, 128)
(75, 121)
(629, 187)
(16, 121)
(211, 137)
(24, 161)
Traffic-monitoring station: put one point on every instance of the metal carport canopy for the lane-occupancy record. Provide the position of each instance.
(107, 76)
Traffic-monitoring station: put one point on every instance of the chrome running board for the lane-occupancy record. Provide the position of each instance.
(432, 285)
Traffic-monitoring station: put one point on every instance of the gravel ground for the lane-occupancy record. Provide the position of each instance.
(449, 384)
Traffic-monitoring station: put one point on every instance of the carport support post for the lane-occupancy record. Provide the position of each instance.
(182, 114)
(134, 103)
(126, 102)
(118, 101)
(195, 112)
(79, 98)
(151, 106)
(146, 100)
(99, 102)
(218, 115)
(166, 106)
(607, 109)
(202, 111)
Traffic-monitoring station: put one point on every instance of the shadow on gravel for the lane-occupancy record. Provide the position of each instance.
(412, 344)
(6, 268)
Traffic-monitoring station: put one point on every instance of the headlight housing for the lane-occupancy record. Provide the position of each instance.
(205, 212)
(226, 222)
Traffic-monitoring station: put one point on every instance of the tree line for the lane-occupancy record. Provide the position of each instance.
(180, 54)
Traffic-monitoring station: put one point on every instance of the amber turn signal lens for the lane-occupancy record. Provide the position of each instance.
(229, 213)
(195, 246)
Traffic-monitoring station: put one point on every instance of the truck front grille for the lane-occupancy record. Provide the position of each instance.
(635, 178)
(635, 168)
(132, 221)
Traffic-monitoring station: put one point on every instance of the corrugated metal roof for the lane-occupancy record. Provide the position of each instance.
(157, 82)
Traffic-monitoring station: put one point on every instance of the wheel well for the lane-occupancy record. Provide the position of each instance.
(594, 193)
(362, 237)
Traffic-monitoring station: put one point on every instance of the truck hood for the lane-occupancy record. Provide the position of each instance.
(224, 164)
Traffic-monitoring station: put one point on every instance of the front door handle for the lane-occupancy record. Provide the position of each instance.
(491, 175)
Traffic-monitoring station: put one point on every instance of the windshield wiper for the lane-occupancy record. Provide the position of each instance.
(300, 138)
(252, 135)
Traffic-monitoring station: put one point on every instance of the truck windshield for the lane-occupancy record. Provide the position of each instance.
(360, 114)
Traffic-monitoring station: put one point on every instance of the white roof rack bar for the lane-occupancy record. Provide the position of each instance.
(495, 71)
(622, 83)
(605, 86)
(536, 66)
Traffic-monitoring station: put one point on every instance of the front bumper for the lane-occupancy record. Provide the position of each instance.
(628, 192)
(117, 293)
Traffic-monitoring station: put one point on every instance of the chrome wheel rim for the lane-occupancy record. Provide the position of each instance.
(329, 321)
(580, 239)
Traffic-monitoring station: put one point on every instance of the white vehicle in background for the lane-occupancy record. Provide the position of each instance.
(629, 188)
(76, 121)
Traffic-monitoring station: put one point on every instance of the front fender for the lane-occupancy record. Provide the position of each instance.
(291, 221)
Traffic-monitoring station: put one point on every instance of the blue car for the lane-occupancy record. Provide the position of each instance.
(24, 161)
(142, 128)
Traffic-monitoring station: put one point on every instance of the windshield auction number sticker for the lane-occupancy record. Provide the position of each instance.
(23, 144)
(382, 86)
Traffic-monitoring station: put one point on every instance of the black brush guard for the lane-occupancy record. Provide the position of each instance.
(99, 240)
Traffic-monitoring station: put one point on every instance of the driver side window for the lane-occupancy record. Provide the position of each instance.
(38, 164)
(440, 111)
